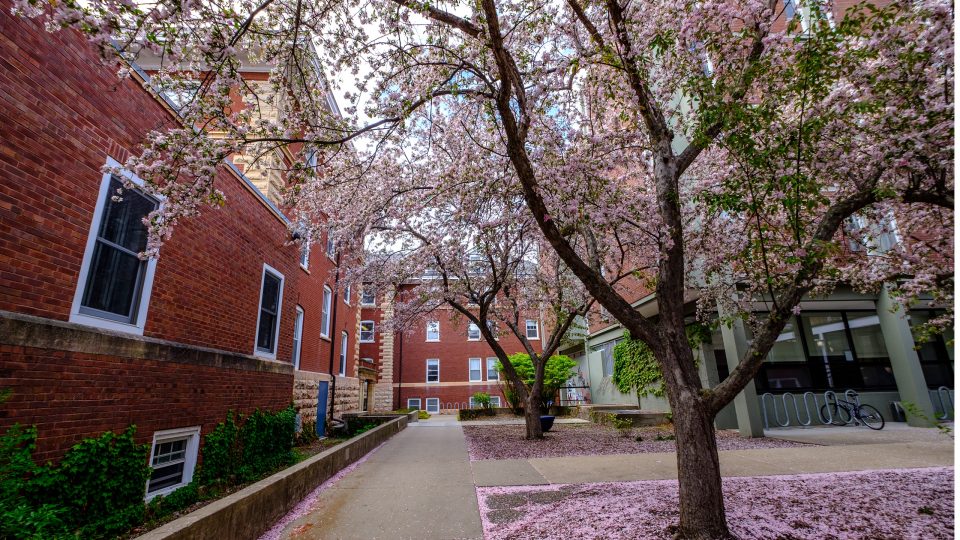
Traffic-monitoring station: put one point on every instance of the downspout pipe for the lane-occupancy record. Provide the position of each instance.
(334, 300)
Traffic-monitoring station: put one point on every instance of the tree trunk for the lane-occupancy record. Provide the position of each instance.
(532, 415)
(702, 514)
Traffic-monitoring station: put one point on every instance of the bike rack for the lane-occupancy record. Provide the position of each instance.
(828, 397)
(947, 411)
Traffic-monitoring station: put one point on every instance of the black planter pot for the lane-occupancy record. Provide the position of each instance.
(546, 422)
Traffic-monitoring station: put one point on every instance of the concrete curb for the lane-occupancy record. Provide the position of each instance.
(251, 511)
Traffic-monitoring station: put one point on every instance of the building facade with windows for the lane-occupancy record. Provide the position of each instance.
(440, 362)
(92, 338)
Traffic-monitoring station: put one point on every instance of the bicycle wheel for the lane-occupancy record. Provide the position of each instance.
(871, 417)
(837, 415)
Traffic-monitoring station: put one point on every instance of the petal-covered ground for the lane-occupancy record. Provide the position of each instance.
(507, 442)
(885, 504)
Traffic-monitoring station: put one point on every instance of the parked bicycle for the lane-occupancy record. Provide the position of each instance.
(842, 412)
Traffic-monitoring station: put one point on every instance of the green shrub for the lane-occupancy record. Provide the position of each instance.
(423, 415)
(482, 400)
(96, 491)
(184, 497)
(266, 441)
(308, 434)
(221, 454)
(557, 372)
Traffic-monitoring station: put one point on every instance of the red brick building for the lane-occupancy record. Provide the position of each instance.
(94, 339)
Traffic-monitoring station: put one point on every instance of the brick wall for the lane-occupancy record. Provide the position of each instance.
(73, 383)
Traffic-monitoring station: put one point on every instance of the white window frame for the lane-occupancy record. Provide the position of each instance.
(190, 456)
(536, 329)
(297, 337)
(492, 325)
(434, 400)
(146, 287)
(373, 332)
(363, 301)
(305, 255)
(325, 305)
(495, 401)
(331, 248)
(492, 366)
(479, 362)
(429, 360)
(470, 328)
(276, 331)
(346, 294)
(430, 324)
(344, 341)
(410, 402)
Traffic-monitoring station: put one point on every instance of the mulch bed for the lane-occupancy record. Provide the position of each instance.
(883, 504)
(507, 442)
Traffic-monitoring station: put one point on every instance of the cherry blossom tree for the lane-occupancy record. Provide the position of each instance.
(723, 153)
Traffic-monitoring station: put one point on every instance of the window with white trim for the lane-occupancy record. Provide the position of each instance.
(114, 286)
(413, 403)
(173, 458)
(433, 331)
(305, 255)
(433, 370)
(473, 332)
(494, 401)
(533, 329)
(368, 297)
(325, 313)
(346, 294)
(367, 331)
(268, 322)
(492, 373)
(331, 246)
(476, 372)
(433, 405)
(297, 337)
(344, 338)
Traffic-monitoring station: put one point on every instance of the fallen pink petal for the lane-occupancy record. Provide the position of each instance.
(901, 504)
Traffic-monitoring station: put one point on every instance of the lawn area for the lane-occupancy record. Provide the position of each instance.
(906, 503)
(507, 442)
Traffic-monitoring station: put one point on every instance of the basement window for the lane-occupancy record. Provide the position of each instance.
(173, 458)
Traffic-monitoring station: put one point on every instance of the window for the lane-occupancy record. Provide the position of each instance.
(344, 337)
(492, 373)
(325, 313)
(936, 359)
(473, 332)
(476, 373)
(331, 246)
(828, 350)
(346, 295)
(533, 329)
(114, 285)
(305, 255)
(413, 403)
(494, 401)
(367, 331)
(433, 405)
(433, 370)
(268, 323)
(297, 337)
(368, 297)
(433, 331)
(173, 458)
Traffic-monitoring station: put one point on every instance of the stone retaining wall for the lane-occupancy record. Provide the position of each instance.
(251, 511)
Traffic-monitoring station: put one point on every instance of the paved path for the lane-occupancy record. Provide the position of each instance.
(421, 484)
(418, 485)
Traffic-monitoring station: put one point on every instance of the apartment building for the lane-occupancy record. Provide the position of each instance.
(230, 316)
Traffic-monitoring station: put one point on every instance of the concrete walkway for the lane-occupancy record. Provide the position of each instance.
(843, 449)
(421, 483)
(418, 485)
